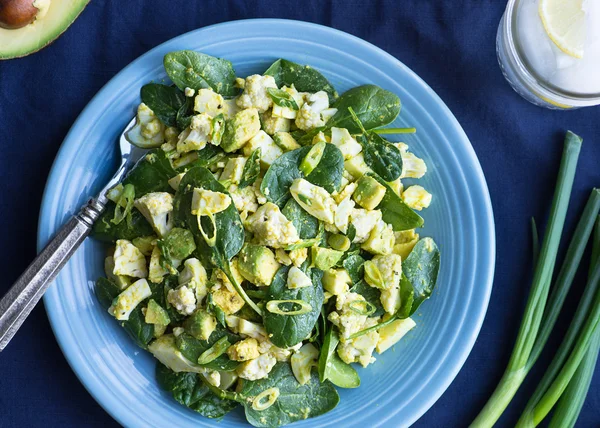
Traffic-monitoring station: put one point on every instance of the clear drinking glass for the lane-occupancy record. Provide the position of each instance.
(537, 69)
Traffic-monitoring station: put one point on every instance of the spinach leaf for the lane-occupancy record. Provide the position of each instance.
(407, 298)
(373, 105)
(105, 230)
(282, 98)
(227, 230)
(165, 101)
(381, 156)
(189, 69)
(295, 402)
(141, 332)
(151, 174)
(206, 157)
(189, 390)
(251, 169)
(306, 225)
(395, 211)
(185, 114)
(286, 331)
(281, 174)
(421, 268)
(354, 266)
(303, 77)
(331, 366)
(371, 295)
(191, 348)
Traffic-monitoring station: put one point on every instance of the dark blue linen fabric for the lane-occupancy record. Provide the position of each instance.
(450, 44)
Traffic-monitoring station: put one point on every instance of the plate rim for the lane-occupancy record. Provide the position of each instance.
(68, 146)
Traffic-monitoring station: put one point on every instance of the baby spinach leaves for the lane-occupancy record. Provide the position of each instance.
(189, 69)
(228, 231)
(206, 157)
(303, 77)
(189, 390)
(185, 114)
(151, 174)
(373, 106)
(295, 402)
(395, 211)
(354, 266)
(105, 230)
(165, 101)
(280, 175)
(306, 225)
(286, 331)
(371, 295)
(251, 169)
(282, 98)
(191, 348)
(136, 327)
(421, 268)
(331, 366)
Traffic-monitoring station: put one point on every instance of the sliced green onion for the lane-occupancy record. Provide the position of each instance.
(395, 131)
(210, 241)
(373, 275)
(218, 127)
(258, 294)
(535, 242)
(374, 327)
(313, 157)
(339, 242)
(124, 205)
(214, 351)
(273, 306)
(361, 307)
(270, 394)
(518, 366)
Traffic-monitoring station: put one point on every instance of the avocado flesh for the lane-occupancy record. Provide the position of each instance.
(40, 33)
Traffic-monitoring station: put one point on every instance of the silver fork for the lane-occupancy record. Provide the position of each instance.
(26, 292)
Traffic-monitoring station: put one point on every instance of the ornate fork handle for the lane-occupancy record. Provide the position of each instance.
(26, 292)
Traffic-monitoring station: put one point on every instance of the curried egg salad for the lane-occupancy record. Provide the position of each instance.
(268, 240)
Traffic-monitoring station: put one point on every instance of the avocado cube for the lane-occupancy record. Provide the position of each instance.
(257, 264)
(122, 281)
(369, 192)
(325, 258)
(156, 314)
(285, 141)
(200, 324)
(392, 333)
(357, 166)
(238, 130)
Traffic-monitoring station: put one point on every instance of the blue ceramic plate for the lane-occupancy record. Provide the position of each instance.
(406, 380)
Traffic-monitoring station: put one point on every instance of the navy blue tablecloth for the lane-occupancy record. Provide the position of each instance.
(450, 44)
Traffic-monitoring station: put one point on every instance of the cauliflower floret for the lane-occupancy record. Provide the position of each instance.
(416, 197)
(157, 208)
(281, 354)
(244, 201)
(258, 368)
(205, 202)
(298, 256)
(244, 350)
(314, 199)
(189, 92)
(412, 166)
(364, 221)
(196, 135)
(309, 115)
(287, 112)
(385, 273)
(129, 260)
(148, 130)
(255, 93)
(344, 318)
(128, 300)
(271, 227)
(183, 299)
(194, 276)
(209, 102)
(360, 350)
(303, 361)
(260, 197)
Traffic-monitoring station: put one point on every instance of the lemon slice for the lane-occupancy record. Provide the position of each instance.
(564, 22)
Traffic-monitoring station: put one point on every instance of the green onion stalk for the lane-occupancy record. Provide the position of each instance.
(519, 364)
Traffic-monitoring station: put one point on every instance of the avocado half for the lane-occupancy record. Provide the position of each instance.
(19, 42)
